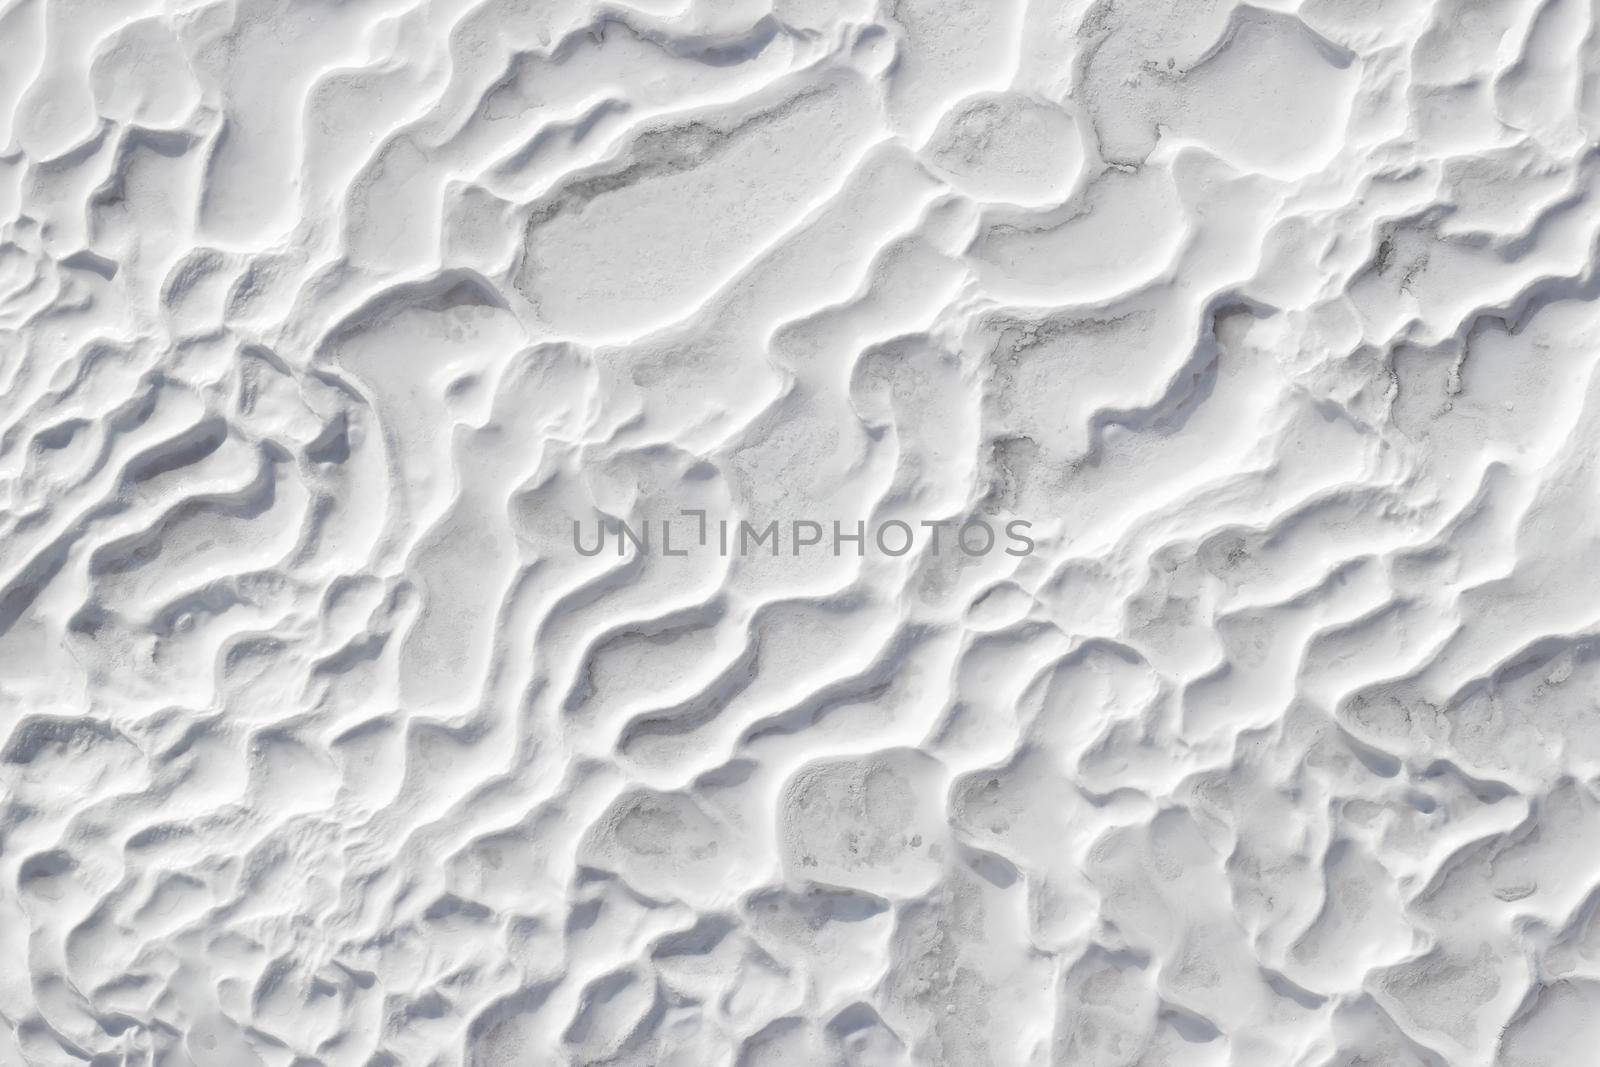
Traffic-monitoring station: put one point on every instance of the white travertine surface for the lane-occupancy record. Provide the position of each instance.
(1263, 335)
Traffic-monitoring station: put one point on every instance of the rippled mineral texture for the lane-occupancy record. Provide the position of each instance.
(985, 533)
